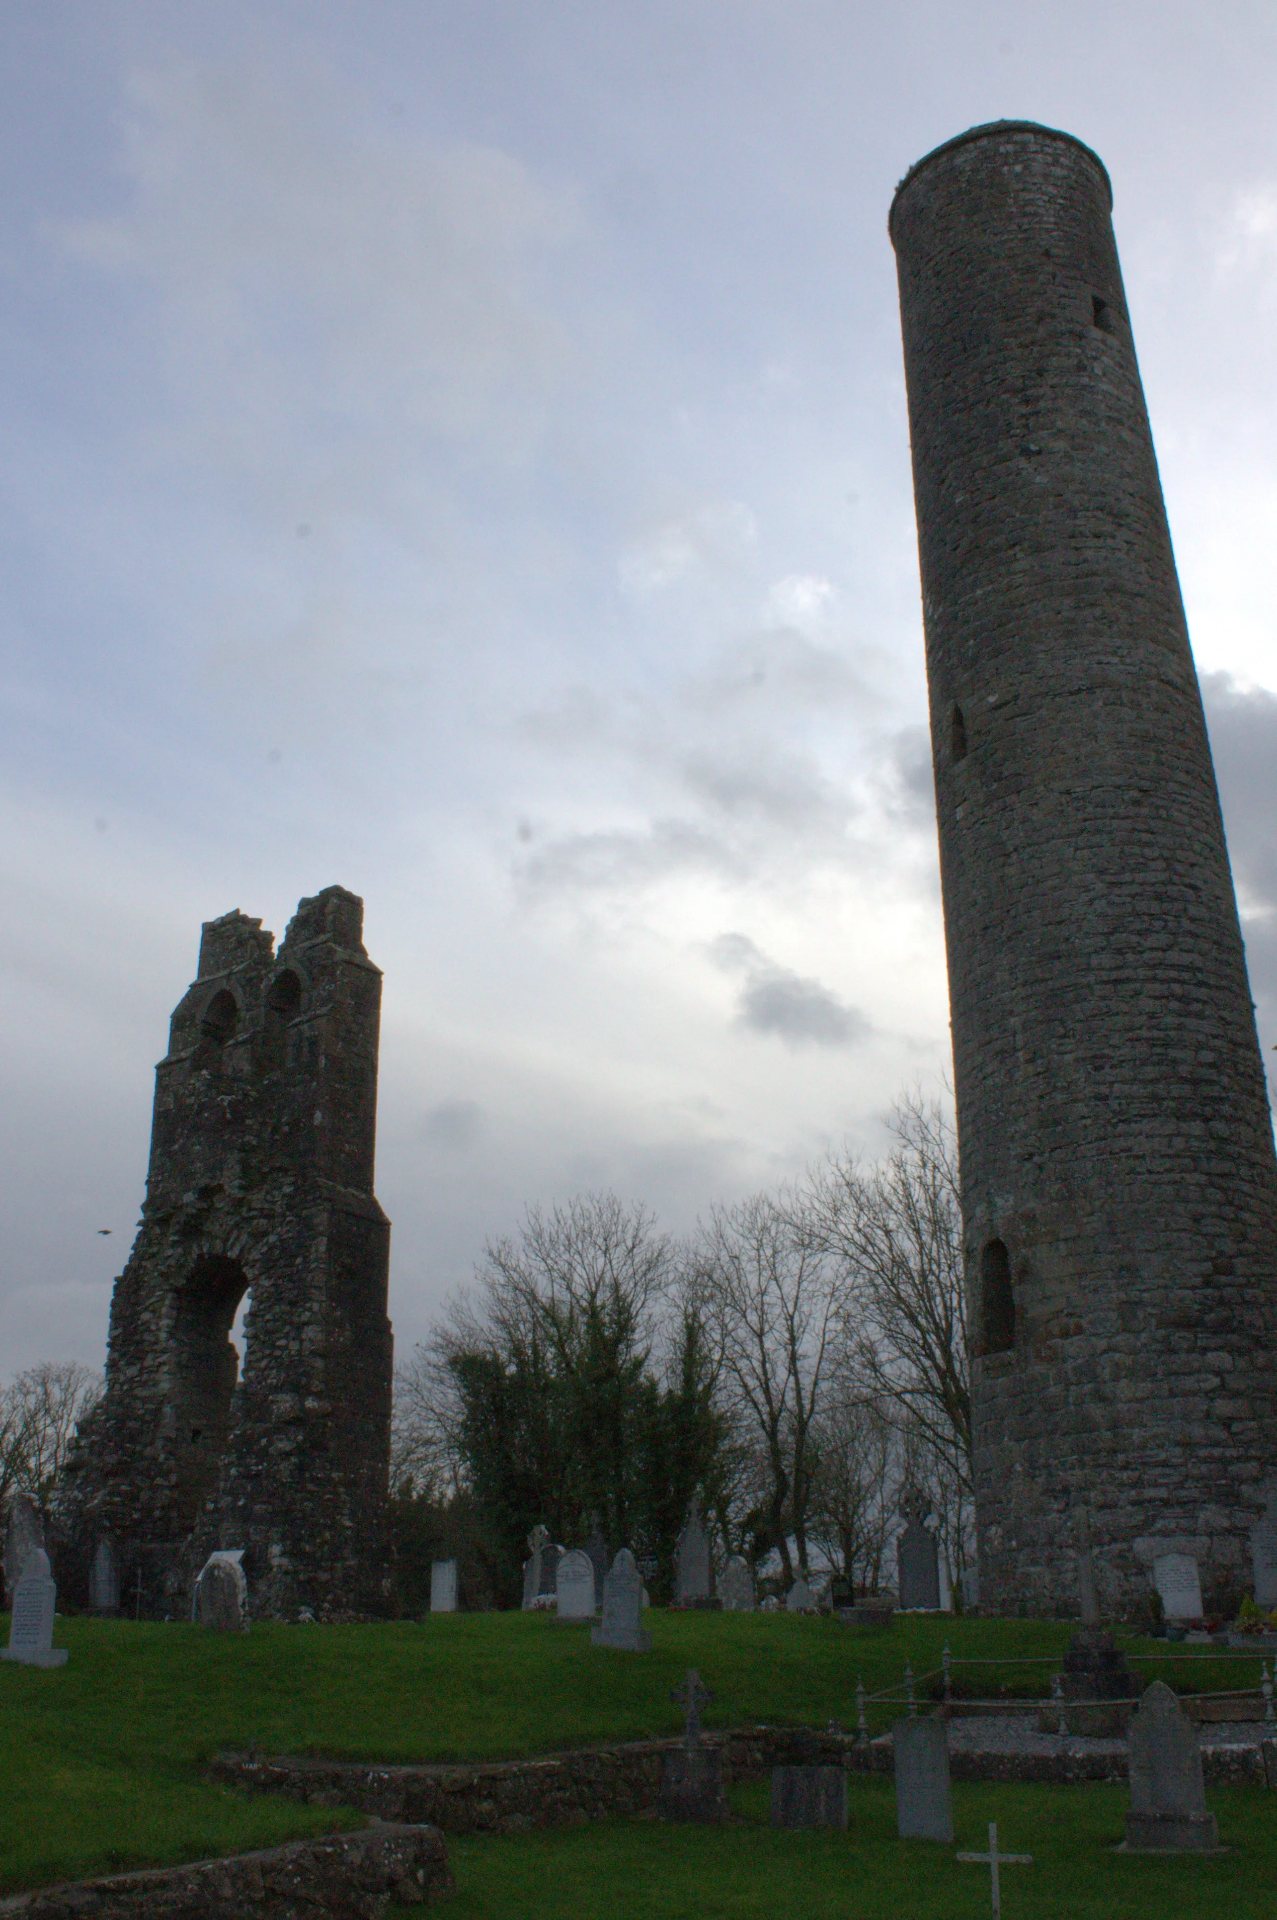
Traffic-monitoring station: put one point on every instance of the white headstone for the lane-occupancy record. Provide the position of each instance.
(104, 1579)
(736, 1588)
(800, 1599)
(443, 1586)
(1176, 1578)
(621, 1624)
(1263, 1552)
(575, 1587)
(221, 1592)
(35, 1600)
(969, 1581)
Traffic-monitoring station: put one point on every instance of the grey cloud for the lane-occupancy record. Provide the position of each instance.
(599, 861)
(1243, 734)
(776, 1000)
(456, 1125)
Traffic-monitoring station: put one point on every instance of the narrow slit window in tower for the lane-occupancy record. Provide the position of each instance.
(1101, 314)
(997, 1302)
(957, 734)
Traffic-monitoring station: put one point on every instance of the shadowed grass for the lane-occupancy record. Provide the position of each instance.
(100, 1760)
(632, 1870)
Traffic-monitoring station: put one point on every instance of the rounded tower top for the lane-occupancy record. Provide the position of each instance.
(1031, 132)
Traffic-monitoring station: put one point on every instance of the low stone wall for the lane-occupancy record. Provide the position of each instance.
(343, 1876)
(511, 1796)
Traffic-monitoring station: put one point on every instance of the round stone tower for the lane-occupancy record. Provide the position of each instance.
(1119, 1184)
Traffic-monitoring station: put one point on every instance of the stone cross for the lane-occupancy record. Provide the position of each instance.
(993, 1860)
(1089, 1602)
(35, 1599)
(692, 1696)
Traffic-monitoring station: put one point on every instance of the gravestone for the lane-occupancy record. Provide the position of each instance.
(1168, 1796)
(540, 1571)
(1263, 1553)
(23, 1536)
(806, 1793)
(969, 1586)
(924, 1798)
(799, 1598)
(736, 1588)
(1178, 1585)
(596, 1547)
(575, 1589)
(693, 1782)
(918, 1568)
(621, 1622)
(443, 1586)
(104, 1580)
(691, 1559)
(221, 1593)
(34, 1603)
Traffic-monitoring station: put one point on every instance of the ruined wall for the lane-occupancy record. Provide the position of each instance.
(1118, 1176)
(260, 1182)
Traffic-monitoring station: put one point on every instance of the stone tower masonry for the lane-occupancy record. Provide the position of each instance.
(260, 1182)
(1119, 1184)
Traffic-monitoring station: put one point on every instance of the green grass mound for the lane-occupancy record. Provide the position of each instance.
(101, 1760)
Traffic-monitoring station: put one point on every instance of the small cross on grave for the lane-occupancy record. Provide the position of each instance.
(692, 1696)
(993, 1860)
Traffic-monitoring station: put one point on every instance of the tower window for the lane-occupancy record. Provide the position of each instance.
(957, 734)
(1101, 314)
(217, 1022)
(997, 1303)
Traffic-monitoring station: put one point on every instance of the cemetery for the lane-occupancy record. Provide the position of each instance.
(1065, 1708)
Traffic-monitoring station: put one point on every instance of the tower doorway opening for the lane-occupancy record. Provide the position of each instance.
(206, 1368)
(997, 1301)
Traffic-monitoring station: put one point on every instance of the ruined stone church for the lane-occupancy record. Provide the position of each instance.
(259, 1191)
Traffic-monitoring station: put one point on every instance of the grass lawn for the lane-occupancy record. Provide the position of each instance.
(623, 1869)
(100, 1760)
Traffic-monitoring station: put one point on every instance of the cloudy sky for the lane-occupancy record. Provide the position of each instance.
(459, 451)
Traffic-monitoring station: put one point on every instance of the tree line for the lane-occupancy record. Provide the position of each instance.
(799, 1361)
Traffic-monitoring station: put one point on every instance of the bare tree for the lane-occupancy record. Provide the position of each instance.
(768, 1284)
(39, 1413)
(858, 1477)
(896, 1233)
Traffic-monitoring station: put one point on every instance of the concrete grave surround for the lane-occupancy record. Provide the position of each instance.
(691, 1559)
(1178, 1585)
(1263, 1553)
(621, 1623)
(260, 1185)
(443, 1586)
(1118, 1176)
(924, 1796)
(104, 1579)
(23, 1534)
(1168, 1795)
(917, 1568)
(575, 1586)
(221, 1593)
(736, 1588)
(32, 1612)
(806, 1793)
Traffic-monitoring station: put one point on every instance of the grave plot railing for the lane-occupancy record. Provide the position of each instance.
(937, 1687)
